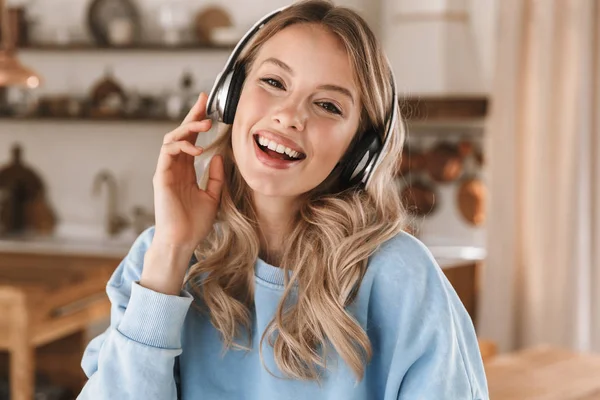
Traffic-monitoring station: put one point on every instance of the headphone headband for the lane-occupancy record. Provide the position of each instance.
(363, 159)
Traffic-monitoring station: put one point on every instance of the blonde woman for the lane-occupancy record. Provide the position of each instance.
(288, 276)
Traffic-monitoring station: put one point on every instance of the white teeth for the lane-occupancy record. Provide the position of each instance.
(281, 149)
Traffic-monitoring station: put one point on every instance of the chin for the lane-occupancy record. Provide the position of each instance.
(272, 187)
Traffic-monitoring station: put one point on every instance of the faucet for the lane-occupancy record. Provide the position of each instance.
(114, 223)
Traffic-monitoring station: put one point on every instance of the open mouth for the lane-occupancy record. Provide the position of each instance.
(277, 151)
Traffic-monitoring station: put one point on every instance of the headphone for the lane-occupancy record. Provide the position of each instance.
(357, 166)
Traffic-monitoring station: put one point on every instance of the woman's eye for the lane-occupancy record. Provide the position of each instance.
(330, 107)
(273, 82)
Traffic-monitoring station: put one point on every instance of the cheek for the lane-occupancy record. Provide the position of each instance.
(249, 110)
(330, 143)
(253, 103)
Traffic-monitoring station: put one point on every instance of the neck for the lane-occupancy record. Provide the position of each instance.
(274, 217)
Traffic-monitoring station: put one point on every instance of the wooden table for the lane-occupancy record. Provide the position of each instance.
(46, 304)
(544, 373)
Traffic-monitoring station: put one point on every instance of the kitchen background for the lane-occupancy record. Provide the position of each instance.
(68, 153)
(78, 152)
(111, 88)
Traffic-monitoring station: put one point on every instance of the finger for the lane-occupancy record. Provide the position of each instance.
(216, 178)
(170, 150)
(188, 132)
(182, 146)
(198, 110)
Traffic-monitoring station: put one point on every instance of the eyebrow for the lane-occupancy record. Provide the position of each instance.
(287, 68)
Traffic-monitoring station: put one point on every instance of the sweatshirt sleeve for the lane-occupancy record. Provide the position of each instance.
(426, 331)
(135, 357)
(448, 364)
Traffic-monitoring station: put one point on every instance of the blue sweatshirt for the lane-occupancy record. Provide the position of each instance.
(159, 348)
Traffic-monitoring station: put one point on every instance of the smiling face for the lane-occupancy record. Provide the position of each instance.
(298, 112)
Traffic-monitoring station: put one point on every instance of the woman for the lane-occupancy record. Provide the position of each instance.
(289, 275)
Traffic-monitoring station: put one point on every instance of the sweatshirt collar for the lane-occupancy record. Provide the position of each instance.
(269, 273)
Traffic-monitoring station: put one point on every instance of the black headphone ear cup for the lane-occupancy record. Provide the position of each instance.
(363, 154)
(233, 94)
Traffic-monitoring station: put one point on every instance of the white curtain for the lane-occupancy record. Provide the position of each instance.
(541, 280)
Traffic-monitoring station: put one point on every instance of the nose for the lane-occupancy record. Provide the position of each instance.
(291, 115)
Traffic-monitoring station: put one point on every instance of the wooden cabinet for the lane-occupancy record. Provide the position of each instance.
(464, 279)
(46, 304)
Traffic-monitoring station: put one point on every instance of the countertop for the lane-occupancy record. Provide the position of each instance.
(82, 244)
(59, 246)
(71, 239)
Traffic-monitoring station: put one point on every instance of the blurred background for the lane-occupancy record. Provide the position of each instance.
(500, 170)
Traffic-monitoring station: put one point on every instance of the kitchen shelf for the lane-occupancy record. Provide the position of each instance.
(90, 119)
(436, 113)
(90, 47)
(430, 126)
(424, 127)
(430, 108)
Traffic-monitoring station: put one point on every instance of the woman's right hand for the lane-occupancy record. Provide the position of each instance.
(184, 213)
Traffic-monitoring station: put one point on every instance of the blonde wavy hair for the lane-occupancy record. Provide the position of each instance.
(333, 233)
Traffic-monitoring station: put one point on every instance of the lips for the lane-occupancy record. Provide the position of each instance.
(280, 139)
(272, 162)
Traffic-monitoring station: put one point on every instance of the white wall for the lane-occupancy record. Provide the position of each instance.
(483, 24)
(68, 154)
(440, 47)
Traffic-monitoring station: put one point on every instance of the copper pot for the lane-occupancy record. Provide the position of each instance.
(444, 162)
(471, 201)
(412, 160)
(471, 197)
(418, 198)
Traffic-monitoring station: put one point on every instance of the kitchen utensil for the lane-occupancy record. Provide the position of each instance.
(412, 159)
(23, 191)
(471, 201)
(174, 21)
(103, 13)
(444, 162)
(108, 98)
(208, 19)
(419, 197)
(39, 217)
(471, 197)
(13, 73)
